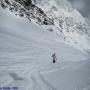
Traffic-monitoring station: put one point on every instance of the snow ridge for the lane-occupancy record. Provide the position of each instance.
(68, 21)
(57, 16)
(26, 62)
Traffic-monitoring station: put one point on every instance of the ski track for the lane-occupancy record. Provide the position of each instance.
(39, 83)
(75, 66)
(34, 74)
(22, 51)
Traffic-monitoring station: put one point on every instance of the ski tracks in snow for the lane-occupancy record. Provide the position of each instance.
(31, 78)
(39, 83)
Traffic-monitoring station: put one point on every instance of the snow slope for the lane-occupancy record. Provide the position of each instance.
(57, 16)
(68, 21)
(25, 58)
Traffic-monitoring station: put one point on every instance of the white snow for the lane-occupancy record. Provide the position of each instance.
(73, 24)
(26, 62)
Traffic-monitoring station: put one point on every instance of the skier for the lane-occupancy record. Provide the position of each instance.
(54, 57)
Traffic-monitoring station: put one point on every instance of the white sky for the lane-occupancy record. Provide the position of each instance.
(83, 6)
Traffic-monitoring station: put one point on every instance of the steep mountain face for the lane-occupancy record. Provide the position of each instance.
(28, 10)
(55, 15)
(68, 22)
(26, 58)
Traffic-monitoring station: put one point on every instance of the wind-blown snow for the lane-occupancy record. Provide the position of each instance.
(57, 16)
(67, 20)
(25, 58)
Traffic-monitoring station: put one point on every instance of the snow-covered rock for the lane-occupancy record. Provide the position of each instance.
(26, 57)
(68, 21)
(58, 16)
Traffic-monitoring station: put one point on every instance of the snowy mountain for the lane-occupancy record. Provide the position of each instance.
(67, 20)
(54, 15)
(31, 12)
(26, 48)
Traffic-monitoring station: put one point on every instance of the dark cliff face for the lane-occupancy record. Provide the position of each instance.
(25, 3)
(25, 8)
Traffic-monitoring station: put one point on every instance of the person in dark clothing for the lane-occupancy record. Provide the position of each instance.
(54, 57)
